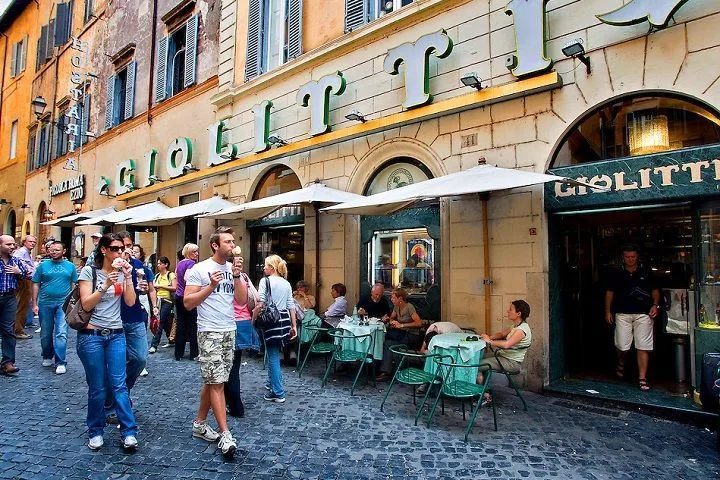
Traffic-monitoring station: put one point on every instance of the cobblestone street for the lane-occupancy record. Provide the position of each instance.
(326, 433)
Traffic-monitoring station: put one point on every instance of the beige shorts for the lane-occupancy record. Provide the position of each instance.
(633, 326)
(216, 355)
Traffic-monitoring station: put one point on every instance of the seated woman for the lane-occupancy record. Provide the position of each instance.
(435, 329)
(302, 295)
(513, 343)
(338, 309)
(402, 317)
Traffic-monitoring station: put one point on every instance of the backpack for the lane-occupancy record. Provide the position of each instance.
(75, 315)
(269, 316)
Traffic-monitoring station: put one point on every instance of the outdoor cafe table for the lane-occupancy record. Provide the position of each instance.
(310, 319)
(462, 352)
(376, 329)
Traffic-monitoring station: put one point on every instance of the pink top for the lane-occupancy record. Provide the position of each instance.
(242, 312)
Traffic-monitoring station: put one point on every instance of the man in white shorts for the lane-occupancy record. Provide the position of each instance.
(211, 286)
(632, 295)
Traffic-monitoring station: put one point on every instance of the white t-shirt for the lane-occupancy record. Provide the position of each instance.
(215, 314)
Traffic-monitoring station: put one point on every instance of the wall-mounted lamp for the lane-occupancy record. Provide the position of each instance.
(104, 188)
(471, 79)
(575, 49)
(4, 201)
(25, 206)
(48, 214)
(38, 105)
(355, 116)
(77, 206)
(190, 168)
(276, 140)
(155, 179)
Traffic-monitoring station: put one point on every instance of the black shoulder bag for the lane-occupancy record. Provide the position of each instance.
(269, 316)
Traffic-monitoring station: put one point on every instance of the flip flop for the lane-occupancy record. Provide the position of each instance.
(643, 385)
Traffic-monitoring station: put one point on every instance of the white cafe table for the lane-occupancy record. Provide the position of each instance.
(376, 329)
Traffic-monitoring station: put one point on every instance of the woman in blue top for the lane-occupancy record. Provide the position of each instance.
(101, 345)
(276, 338)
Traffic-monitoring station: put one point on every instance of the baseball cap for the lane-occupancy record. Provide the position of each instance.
(97, 235)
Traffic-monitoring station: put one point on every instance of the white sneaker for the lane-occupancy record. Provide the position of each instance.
(130, 442)
(38, 330)
(152, 350)
(227, 443)
(48, 362)
(60, 369)
(95, 443)
(144, 373)
(204, 431)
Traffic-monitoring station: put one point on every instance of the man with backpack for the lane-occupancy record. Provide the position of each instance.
(52, 282)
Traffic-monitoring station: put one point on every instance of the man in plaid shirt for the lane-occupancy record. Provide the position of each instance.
(24, 314)
(12, 271)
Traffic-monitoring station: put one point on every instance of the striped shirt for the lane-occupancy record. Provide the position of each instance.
(26, 257)
(9, 281)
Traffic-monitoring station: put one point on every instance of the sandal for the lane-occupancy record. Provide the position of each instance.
(642, 383)
(620, 370)
(487, 400)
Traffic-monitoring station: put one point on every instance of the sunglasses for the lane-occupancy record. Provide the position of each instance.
(115, 248)
(472, 339)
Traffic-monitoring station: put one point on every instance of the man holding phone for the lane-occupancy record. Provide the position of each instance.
(211, 286)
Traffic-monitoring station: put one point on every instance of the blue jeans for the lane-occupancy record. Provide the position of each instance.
(53, 333)
(8, 309)
(137, 353)
(30, 317)
(275, 379)
(105, 358)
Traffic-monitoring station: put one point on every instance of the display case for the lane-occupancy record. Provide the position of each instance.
(708, 274)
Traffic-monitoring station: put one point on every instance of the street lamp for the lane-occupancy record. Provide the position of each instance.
(38, 105)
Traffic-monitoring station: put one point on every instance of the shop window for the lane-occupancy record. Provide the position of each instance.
(274, 34)
(177, 60)
(280, 179)
(360, 12)
(18, 57)
(190, 224)
(13, 139)
(638, 125)
(120, 96)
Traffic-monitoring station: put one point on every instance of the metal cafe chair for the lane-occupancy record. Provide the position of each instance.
(450, 387)
(315, 333)
(508, 374)
(409, 375)
(343, 353)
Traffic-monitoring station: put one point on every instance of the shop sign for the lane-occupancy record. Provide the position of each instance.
(76, 187)
(654, 178)
(73, 127)
(656, 12)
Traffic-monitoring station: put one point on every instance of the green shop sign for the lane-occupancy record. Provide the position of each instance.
(681, 174)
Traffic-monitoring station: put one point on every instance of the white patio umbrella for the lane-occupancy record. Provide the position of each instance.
(313, 194)
(174, 215)
(71, 220)
(477, 180)
(480, 179)
(123, 216)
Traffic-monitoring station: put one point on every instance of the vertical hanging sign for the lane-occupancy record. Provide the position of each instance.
(73, 123)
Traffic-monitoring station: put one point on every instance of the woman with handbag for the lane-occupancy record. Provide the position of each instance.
(246, 338)
(276, 319)
(101, 344)
(165, 285)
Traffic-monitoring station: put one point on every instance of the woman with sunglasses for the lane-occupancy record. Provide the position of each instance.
(101, 345)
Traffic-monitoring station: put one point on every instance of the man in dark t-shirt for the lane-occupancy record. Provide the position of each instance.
(375, 305)
(632, 302)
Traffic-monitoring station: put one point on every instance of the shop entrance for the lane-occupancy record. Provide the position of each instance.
(588, 250)
(284, 241)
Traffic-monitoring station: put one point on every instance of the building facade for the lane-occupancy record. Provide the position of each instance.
(364, 96)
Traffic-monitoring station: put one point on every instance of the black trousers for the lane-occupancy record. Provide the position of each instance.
(232, 388)
(186, 330)
(166, 315)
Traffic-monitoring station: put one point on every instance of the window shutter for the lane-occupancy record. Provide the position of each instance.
(191, 39)
(59, 127)
(109, 102)
(50, 47)
(31, 153)
(355, 14)
(294, 28)
(161, 74)
(13, 61)
(253, 59)
(85, 120)
(130, 91)
(42, 46)
(62, 20)
(23, 54)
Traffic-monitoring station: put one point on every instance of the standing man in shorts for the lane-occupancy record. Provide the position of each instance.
(211, 286)
(634, 299)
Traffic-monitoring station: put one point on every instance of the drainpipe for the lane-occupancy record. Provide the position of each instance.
(151, 80)
(317, 251)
